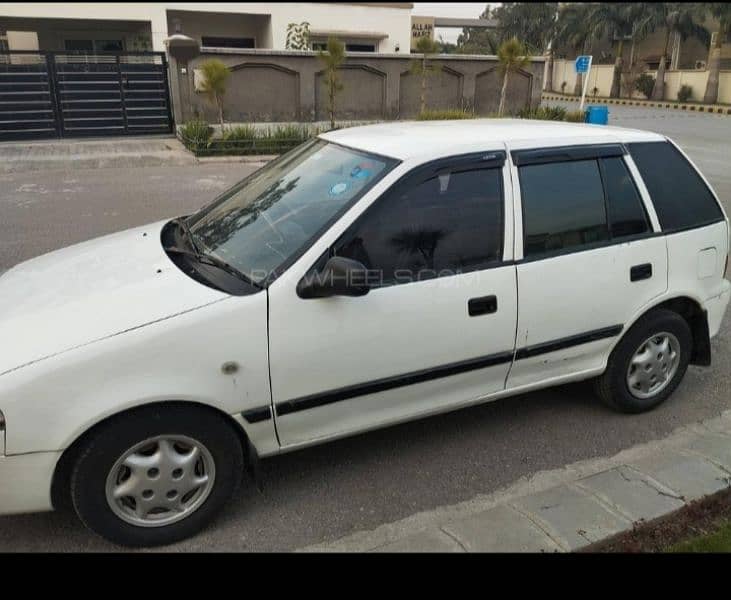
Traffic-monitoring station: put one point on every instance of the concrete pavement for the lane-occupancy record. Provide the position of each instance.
(570, 508)
(93, 154)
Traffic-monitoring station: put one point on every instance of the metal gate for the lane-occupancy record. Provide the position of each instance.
(60, 94)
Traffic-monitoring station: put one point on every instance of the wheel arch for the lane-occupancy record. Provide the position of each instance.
(61, 475)
(694, 314)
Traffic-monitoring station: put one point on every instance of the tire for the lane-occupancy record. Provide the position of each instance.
(219, 461)
(613, 387)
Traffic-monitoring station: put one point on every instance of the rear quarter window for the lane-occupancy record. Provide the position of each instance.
(681, 198)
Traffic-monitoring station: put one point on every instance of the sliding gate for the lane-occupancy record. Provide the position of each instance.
(59, 94)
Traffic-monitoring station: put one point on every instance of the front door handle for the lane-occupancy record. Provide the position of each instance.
(482, 306)
(639, 272)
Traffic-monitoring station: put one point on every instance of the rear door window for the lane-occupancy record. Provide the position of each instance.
(563, 207)
(681, 198)
(625, 210)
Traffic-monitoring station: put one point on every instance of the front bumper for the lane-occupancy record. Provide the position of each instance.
(25, 482)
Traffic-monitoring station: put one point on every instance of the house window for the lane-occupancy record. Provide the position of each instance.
(4, 43)
(108, 46)
(349, 47)
(91, 46)
(360, 47)
(79, 45)
(227, 42)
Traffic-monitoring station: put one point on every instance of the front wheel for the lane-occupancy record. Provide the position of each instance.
(647, 364)
(156, 475)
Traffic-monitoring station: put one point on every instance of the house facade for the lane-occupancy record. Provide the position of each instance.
(380, 27)
(75, 69)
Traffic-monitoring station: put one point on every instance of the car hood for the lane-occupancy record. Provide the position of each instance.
(90, 291)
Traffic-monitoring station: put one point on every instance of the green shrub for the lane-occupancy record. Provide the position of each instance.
(447, 114)
(196, 135)
(242, 132)
(249, 140)
(644, 84)
(288, 132)
(685, 93)
(543, 113)
(576, 116)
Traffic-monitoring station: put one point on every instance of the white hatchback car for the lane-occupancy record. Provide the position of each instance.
(370, 276)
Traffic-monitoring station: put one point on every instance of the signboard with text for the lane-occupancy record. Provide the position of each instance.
(582, 64)
(421, 27)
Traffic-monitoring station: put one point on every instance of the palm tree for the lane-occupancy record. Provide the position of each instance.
(478, 40)
(531, 22)
(677, 18)
(572, 30)
(215, 74)
(512, 56)
(614, 19)
(551, 49)
(332, 59)
(424, 67)
(722, 12)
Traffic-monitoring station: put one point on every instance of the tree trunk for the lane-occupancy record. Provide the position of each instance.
(331, 101)
(632, 54)
(616, 76)
(549, 73)
(423, 84)
(219, 103)
(714, 69)
(503, 93)
(579, 85)
(658, 90)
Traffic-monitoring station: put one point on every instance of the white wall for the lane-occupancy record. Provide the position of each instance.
(395, 22)
(601, 77)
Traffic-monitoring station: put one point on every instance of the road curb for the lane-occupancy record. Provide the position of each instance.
(567, 509)
(255, 159)
(690, 107)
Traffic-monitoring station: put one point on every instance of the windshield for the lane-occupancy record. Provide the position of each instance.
(267, 219)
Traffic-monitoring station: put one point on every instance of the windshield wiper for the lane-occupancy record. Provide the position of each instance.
(214, 261)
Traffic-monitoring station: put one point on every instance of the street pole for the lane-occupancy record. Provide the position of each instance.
(586, 82)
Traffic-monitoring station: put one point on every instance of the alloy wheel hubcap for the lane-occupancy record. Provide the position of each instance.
(160, 481)
(653, 365)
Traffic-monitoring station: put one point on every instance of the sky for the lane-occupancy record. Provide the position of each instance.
(468, 10)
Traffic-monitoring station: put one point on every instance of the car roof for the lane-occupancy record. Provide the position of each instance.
(405, 140)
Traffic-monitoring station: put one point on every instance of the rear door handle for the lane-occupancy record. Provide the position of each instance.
(639, 272)
(482, 306)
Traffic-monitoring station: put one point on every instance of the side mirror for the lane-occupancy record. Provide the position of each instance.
(339, 277)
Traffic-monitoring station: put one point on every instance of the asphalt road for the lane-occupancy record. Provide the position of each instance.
(329, 491)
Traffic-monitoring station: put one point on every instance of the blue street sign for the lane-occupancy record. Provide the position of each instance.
(582, 64)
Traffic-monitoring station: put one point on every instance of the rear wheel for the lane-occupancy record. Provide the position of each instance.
(647, 364)
(156, 475)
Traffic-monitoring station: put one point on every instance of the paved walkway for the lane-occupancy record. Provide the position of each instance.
(570, 508)
(93, 154)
